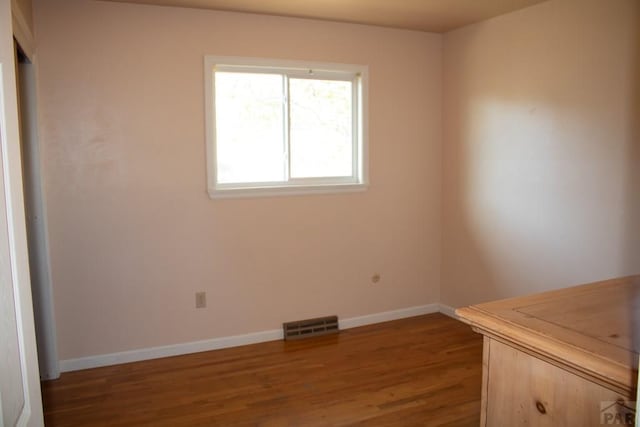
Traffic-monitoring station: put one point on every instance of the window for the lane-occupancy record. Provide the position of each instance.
(284, 127)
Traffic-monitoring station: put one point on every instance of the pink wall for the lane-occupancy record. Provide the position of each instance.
(536, 186)
(541, 157)
(133, 233)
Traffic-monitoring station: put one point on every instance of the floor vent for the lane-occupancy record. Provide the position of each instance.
(310, 327)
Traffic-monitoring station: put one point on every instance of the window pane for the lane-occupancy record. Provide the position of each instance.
(321, 128)
(249, 127)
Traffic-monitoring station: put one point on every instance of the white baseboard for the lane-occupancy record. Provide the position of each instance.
(448, 310)
(168, 350)
(386, 316)
(236, 340)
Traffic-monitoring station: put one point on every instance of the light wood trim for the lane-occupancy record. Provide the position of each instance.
(486, 356)
(602, 362)
(583, 363)
(629, 393)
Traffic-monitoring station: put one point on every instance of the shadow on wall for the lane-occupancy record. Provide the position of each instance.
(541, 151)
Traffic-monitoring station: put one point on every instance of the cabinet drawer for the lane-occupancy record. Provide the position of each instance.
(522, 390)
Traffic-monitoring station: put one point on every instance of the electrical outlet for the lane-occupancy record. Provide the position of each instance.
(201, 299)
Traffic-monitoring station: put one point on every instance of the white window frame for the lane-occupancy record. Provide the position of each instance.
(358, 74)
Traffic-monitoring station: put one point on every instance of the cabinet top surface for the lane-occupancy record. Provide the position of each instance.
(593, 327)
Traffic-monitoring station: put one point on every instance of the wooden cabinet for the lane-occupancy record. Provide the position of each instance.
(560, 358)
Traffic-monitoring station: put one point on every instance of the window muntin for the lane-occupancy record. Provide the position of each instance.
(285, 127)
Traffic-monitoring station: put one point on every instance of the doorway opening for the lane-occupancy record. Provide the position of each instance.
(35, 217)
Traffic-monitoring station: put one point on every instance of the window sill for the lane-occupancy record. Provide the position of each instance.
(290, 190)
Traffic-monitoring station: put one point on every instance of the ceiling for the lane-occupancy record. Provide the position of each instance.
(423, 15)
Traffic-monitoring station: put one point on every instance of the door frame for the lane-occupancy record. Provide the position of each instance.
(13, 204)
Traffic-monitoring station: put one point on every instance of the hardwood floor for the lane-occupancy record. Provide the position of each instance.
(421, 371)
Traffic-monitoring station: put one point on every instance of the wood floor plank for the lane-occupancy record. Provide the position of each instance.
(421, 371)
